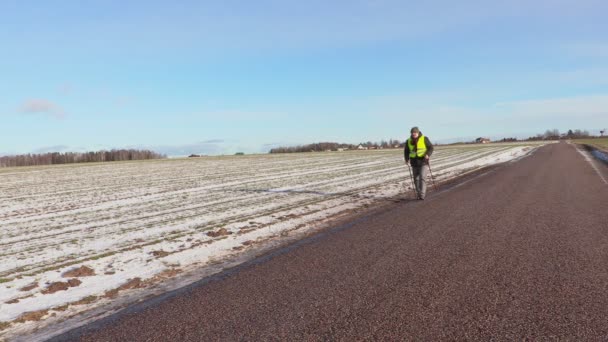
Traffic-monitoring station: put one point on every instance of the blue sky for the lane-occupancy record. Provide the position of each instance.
(226, 76)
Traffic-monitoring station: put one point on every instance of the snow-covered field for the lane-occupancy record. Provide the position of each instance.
(124, 227)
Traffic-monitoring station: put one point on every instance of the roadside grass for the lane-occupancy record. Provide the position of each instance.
(601, 143)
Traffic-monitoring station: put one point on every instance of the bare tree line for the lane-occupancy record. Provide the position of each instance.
(77, 157)
(333, 146)
(550, 134)
(554, 134)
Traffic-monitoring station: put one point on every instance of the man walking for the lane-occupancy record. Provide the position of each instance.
(418, 150)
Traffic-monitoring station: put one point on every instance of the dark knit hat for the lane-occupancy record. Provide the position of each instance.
(415, 129)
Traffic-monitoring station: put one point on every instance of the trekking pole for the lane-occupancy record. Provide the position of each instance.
(412, 179)
(428, 163)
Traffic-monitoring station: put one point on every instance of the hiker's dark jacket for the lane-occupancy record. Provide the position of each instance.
(417, 161)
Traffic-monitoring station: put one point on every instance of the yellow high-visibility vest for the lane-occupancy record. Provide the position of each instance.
(420, 147)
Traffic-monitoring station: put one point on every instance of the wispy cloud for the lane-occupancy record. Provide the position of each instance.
(122, 101)
(65, 89)
(448, 117)
(241, 115)
(589, 49)
(572, 107)
(567, 110)
(265, 148)
(56, 148)
(207, 147)
(44, 107)
(586, 77)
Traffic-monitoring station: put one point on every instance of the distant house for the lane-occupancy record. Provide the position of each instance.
(361, 147)
(482, 140)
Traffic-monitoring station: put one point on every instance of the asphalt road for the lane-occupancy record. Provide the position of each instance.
(519, 253)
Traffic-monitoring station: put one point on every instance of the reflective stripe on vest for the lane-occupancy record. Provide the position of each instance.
(420, 150)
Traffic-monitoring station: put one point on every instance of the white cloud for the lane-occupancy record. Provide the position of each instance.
(460, 105)
(41, 106)
(444, 115)
(588, 49)
(56, 148)
(580, 111)
(65, 89)
(586, 77)
(595, 106)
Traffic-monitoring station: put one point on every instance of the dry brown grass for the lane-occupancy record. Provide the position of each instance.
(4, 325)
(86, 300)
(134, 283)
(32, 316)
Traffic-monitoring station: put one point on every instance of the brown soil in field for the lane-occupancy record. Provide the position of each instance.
(82, 271)
(74, 282)
(61, 286)
(220, 232)
(517, 253)
(159, 254)
(29, 287)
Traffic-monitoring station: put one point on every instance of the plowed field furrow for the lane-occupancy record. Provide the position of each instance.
(134, 210)
(264, 207)
(175, 183)
(166, 179)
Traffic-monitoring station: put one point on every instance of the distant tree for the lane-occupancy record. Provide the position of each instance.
(551, 134)
(333, 146)
(536, 138)
(76, 157)
(578, 133)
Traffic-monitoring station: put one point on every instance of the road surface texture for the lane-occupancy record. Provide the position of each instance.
(518, 253)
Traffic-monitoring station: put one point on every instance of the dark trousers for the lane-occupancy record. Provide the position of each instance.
(420, 179)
